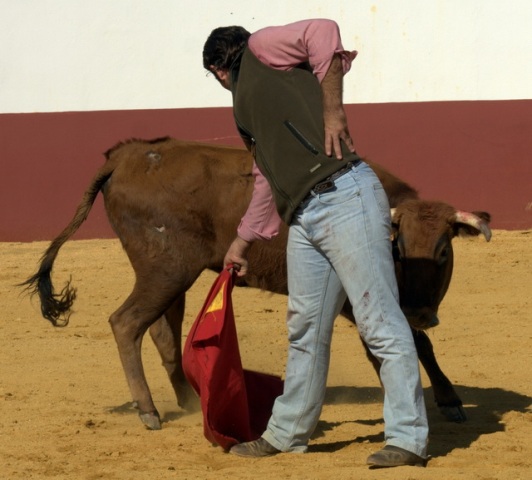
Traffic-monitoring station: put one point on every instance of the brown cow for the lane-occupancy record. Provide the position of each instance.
(175, 207)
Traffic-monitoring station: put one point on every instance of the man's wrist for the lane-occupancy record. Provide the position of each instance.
(242, 243)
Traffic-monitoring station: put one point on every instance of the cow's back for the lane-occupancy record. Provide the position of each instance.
(165, 194)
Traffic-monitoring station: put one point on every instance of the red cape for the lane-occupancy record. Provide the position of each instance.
(236, 403)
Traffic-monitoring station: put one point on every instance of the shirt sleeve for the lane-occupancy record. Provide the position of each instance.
(314, 41)
(261, 220)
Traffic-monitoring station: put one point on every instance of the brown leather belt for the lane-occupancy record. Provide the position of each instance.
(328, 183)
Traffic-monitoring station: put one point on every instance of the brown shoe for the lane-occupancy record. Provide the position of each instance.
(256, 448)
(391, 456)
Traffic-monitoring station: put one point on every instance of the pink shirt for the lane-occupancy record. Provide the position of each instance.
(283, 48)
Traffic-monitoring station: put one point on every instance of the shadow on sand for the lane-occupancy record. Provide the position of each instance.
(130, 408)
(484, 407)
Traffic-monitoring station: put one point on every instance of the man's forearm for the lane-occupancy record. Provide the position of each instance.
(334, 117)
(331, 86)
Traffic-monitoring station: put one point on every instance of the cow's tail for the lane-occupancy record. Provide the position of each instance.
(55, 307)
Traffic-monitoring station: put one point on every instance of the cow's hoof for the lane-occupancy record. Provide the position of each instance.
(454, 414)
(188, 400)
(151, 420)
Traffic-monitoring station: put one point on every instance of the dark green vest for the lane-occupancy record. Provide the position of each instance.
(280, 115)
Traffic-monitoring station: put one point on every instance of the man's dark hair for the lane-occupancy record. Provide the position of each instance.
(223, 46)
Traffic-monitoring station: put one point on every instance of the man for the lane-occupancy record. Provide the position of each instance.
(286, 84)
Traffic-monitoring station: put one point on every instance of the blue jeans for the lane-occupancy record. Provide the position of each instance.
(339, 245)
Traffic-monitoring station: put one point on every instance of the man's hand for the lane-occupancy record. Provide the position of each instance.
(237, 255)
(336, 131)
(334, 117)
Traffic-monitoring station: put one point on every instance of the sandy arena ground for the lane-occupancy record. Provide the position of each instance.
(66, 411)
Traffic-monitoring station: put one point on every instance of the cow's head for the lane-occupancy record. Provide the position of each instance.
(423, 254)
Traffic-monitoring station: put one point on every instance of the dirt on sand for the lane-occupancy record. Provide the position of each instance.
(66, 412)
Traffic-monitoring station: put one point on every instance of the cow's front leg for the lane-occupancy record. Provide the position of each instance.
(129, 324)
(445, 395)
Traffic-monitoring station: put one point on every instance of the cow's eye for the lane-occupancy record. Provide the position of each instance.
(443, 255)
(398, 248)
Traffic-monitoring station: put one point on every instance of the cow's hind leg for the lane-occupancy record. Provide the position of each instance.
(129, 323)
(445, 395)
(166, 334)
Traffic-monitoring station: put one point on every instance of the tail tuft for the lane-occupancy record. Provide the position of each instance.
(55, 307)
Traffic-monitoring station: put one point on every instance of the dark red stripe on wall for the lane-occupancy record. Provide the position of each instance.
(474, 155)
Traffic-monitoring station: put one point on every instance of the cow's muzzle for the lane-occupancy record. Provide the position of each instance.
(421, 320)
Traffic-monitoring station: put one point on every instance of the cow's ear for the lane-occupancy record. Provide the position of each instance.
(471, 224)
(483, 215)
(463, 230)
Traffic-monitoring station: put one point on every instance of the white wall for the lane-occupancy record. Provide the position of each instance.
(81, 55)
